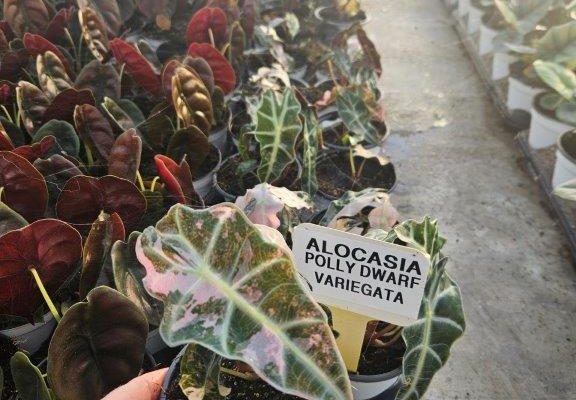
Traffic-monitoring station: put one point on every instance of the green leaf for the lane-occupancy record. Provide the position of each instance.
(506, 11)
(200, 373)
(128, 276)
(98, 346)
(28, 379)
(310, 135)
(357, 117)
(551, 101)
(441, 321)
(558, 44)
(277, 128)
(10, 220)
(234, 290)
(66, 138)
(559, 78)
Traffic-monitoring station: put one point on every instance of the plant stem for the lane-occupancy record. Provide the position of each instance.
(352, 164)
(238, 374)
(140, 181)
(7, 113)
(89, 156)
(1, 193)
(153, 185)
(47, 298)
(211, 35)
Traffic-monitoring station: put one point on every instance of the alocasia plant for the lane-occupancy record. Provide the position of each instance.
(229, 288)
(563, 81)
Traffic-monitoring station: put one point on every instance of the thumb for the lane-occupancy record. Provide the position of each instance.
(145, 387)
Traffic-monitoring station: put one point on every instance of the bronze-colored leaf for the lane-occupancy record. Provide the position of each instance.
(192, 100)
(52, 75)
(125, 156)
(94, 33)
(32, 104)
(26, 16)
(203, 70)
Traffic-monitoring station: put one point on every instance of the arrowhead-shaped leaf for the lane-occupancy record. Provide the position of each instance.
(205, 20)
(125, 156)
(26, 16)
(28, 379)
(94, 129)
(101, 79)
(224, 75)
(277, 128)
(178, 180)
(52, 247)
(98, 345)
(84, 197)
(357, 117)
(191, 99)
(558, 44)
(67, 141)
(25, 190)
(231, 289)
(310, 135)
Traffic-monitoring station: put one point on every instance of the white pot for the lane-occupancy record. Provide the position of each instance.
(474, 19)
(219, 139)
(369, 387)
(501, 65)
(521, 95)
(487, 35)
(204, 185)
(463, 7)
(565, 168)
(31, 337)
(545, 131)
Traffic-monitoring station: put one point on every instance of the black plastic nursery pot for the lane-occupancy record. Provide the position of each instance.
(205, 183)
(335, 176)
(229, 186)
(31, 337)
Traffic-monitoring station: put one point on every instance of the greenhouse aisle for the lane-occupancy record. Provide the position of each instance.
(457, 162)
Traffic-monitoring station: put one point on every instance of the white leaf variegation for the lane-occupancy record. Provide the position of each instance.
(277, 128)
(228, 288)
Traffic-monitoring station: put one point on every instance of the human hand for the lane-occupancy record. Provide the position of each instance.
(145, 387)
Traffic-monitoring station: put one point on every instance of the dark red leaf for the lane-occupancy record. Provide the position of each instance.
(178, 180)
(84, 197)
(125, 156)
(248, 19)
(37, 45)
(137, 66)
(101, 79)
(63, 106)
(24, 187)
(5, 142)
(224, 75)
(57, 170)
(8, 32)
(12, 64)
(105, 231)
(205, 20)
(230, 7)
(26, 16)
(94, 129)
(52, 247)
(56, 28)
(37, 150)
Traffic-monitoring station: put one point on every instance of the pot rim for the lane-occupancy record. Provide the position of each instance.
(318, 14)
(561, 148)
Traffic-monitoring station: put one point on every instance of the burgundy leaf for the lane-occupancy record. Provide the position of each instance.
(37, 150)
(26, 16)
(101, 79)
(224, 75)
(248, 19)
(24, 187)
(84, 197)
(32, 103)
(138, 67)
(37, 45)
(125, 156)
(204, 21)
(12, 64)
(94, 129)
(5, 142)
(56, 28)
(105, 231)
(63, 106)
(178, 180)
(50, 246)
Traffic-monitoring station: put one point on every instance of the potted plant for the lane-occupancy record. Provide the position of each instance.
(553, 113)
(523, 82)
(565, 167)
(521, 18)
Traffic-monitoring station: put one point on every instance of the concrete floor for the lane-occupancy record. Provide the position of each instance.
(457, 162)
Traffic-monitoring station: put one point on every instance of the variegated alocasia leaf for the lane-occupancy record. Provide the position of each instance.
(231, 289)
(441, 321)
(264, 203)
(357, 211)
(277, 128)
(357, 117)
(310, 135)
(200, 374)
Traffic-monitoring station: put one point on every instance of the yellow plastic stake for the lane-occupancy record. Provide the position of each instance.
(351, 328)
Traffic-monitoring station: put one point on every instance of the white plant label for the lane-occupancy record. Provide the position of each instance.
(365, 276)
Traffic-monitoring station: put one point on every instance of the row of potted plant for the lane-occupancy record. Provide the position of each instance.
(121, 121)
(531, 44)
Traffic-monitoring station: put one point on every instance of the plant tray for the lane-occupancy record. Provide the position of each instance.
(497, 90)
(540, 165)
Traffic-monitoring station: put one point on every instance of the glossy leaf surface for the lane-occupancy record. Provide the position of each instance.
(224, 75)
